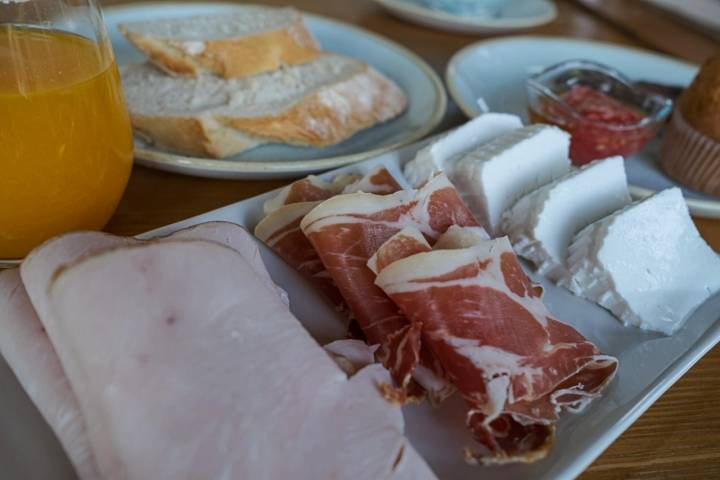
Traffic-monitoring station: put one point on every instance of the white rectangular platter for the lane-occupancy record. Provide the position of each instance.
(649, 364)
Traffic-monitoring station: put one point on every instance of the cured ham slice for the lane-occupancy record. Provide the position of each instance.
(280, 230)
(347, 231)
(199, 371)
(406, 242)
(378, 180)
(308, 189)
(312, 189)
(460, 237)
(29, 353)
(515, 365)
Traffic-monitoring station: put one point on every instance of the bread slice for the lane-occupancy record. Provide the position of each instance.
(319, 103)
(248, 41)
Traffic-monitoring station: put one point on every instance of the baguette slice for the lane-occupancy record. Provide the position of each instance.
(316, 104)
(252, 40)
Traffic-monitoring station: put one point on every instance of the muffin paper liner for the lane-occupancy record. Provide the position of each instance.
(690, 157)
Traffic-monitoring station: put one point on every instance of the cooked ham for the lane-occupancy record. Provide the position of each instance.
(235, 237)
(516, 366)
(347, 231)
(42, 263)
(36, 271)
(32, 358)
(197, 370)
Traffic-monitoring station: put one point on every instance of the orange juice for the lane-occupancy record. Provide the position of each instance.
(65, 138)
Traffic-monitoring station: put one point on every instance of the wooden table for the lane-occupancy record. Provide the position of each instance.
(679, 437)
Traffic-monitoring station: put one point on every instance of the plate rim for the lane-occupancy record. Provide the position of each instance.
(698, 206)
(216, 167)
(470, 22)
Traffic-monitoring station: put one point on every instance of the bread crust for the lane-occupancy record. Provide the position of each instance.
(331, 114)
(326, 116)
(193, 136)
(230, 57)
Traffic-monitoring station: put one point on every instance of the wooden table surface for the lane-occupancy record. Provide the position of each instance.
(678, 437)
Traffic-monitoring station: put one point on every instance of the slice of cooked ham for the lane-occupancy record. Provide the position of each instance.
(32, 358)
(235, 237)
(347, 231)
(42, 263)
(199, 371)
(36, 271)
(515, 365)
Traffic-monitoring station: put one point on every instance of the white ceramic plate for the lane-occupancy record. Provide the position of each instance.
(516, 14)
(649, 364)
(495, 70)
(424, 89)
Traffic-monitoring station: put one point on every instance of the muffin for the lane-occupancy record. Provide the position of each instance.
(690, 151)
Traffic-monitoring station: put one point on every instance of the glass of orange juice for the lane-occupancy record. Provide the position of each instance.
(65, 135)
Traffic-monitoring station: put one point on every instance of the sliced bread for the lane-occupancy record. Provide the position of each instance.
(248, 41)
(319, 103)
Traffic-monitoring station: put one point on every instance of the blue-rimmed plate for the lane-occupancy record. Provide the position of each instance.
(495, 71)
(511, 15)
(424, 89)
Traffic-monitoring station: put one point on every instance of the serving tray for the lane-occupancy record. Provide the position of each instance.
(649, 364)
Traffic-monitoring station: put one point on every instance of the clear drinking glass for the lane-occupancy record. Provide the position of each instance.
(65, 136)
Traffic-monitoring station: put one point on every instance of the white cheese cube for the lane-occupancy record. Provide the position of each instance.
(646, 263)
(542, 223)
(439, 155)
(494, 176)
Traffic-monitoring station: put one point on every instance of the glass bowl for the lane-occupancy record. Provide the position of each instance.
(603, 110)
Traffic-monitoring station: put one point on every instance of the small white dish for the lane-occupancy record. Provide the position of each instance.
(650, 363)
(427, 100)
(515, 15)
(492, 74)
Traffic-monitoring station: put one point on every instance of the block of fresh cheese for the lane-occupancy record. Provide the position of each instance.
(494, 176)
(542, 223)
(440, 154)
(646, 263)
